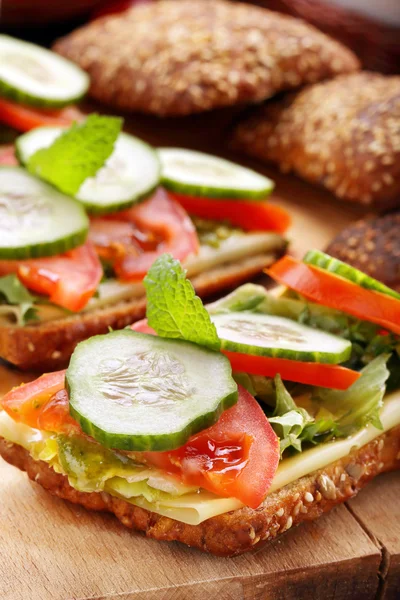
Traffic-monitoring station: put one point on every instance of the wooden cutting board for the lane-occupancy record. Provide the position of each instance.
(53, 550)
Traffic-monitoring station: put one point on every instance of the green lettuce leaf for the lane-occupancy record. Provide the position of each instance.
(15, 294)
(173, 309)
(76, 154)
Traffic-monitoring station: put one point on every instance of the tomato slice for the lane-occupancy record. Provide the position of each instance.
(116, 6)
(7, 156)
(70, 280)
(321, 375)
(24, 118)
(42, 404)
(331, 290)
(237, 457)
(167, 221)
(250, 216)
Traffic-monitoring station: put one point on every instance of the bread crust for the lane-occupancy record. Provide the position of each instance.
(48, 346)
(241, 530)
(372, 245)
(179, 57)
(343, 134)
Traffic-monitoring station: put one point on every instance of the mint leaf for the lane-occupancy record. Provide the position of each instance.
(76, 154)
(14, 293)
(173, 309)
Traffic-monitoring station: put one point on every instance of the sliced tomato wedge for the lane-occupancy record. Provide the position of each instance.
(171, 229)
(237, 457)
(24, 118)
(7, 156)
(70, 279)
(250, 216)
(42, 404)
(336, 292)
(321, 375)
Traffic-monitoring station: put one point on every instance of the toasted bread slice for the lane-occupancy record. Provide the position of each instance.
(48, 346)
(243, 529)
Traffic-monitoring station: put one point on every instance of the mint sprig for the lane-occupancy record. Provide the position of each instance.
(173, 309)
(76, 154)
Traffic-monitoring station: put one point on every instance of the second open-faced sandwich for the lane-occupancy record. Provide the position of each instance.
(222, 427)
(89, 209)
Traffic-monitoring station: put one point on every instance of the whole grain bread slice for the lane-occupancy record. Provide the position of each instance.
(48, 346)
(243, 529)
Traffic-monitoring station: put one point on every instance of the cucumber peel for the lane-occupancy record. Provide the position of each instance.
(278, 337)
(333, 265)
(138, 392)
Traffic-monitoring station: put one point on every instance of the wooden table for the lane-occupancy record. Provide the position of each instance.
(52, 550)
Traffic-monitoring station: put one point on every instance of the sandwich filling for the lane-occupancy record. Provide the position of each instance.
(53, 265)
(196, 412)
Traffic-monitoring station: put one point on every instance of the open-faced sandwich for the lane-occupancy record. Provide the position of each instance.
(65, 276)
(222, 427)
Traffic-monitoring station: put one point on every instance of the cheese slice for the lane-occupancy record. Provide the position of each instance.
(194, 508)
(109, 293)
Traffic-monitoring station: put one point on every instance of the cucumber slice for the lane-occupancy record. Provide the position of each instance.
(130, 174)
(278, 337)
(35, 219)
(133, 391)
(334, 265)
(33, 75)
(198, 174)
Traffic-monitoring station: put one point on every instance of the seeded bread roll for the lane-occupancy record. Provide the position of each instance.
(372, 245)
(343, 134)
(244, 529)
(179, 57)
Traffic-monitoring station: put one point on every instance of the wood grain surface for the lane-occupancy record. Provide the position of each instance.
(52, 550)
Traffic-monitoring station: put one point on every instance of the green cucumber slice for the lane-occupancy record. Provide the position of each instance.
(278, 337)
(133, 391)
(35, 219)
(198, 174)
(334, 265)
(30, 74)
(130, 174)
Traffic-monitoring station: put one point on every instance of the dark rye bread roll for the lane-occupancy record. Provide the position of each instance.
(179, 57)
(373, 246)
(343, 134)
(240, 530)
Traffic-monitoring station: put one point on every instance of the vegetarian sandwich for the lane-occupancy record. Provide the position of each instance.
(89, 209)
(222, 427)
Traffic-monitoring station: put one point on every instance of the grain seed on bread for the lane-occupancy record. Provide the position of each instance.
(177, 57)
(343, 134)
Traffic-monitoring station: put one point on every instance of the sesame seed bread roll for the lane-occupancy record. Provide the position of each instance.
(179, 57)
(343, 134)
(372, 245)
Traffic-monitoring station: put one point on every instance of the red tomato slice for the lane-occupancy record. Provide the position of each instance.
(70, 280)
(24, 117)
(42, 404)
(166, 220)
(321, 375)
(237, 457)
(336, 292)
(251, 216)
(7, 156)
